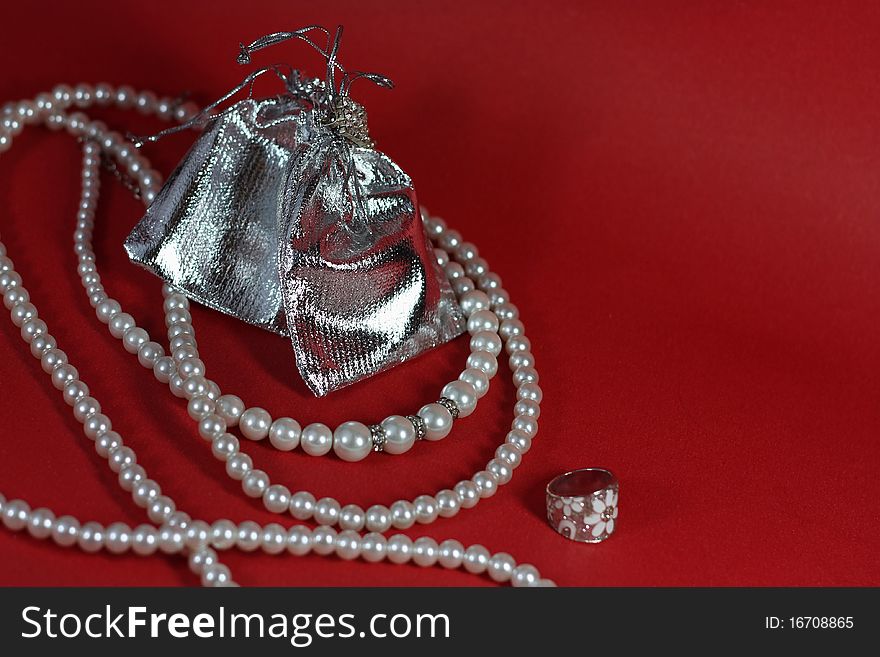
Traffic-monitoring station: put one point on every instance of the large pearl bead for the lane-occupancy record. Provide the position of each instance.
(477, 378)
(400, 434)
(316, 439)
(484, 361)
(254, 423)
(284, 434)
(438, 421)
(464, 396)
(352, 441)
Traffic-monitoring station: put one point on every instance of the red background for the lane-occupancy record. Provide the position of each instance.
(682, 200)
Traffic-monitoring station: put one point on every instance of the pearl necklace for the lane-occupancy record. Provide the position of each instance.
(184, 372)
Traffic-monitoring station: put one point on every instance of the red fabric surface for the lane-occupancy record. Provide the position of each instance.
(681, 198)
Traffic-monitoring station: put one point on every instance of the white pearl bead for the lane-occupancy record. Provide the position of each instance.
(284, 434)
(476, 559)
(425, 551)
(500, 567)
(474, 301)
(66, 531)
(62, 374)
(302, 505)
(91, 537)
(462, 286)
(506, 310)
(238, 465)
(373, 547)
(518, 343)
(521, 359)
(74, 391)
(144, 492)
(255, 483)
(351, 516)
(254, 423)
(230, 408)
(32, 329)
(348, 545)
(486, 341)
(216, 575)
(41, 344)
(14, 296)
(454, 271)
(223, 534)
(519, 440)
(502, 471)
(16, 514)
(121, 458)
(468, 493)
(511, 328)
(40, 523)
(438, 420)
(403, 514)
(171, 539)
(120, 323)
(51, 359)
(211, 427)
(107, 310)
(160, 508)
(199, 408)
(249, 536)
(107, 442)
(483, 361)
(451, 554)
(530, 391)
(486, 482)
(399, 549)
(96, 425)
(22, 313)
(164, 368)
(464, 396)
(509, 455)
(224, 446)
(276, 498)
(400, 434)
(149, 353)
(326, 511)
(482, 320)
(525, 375)
(525, 575)
(117, 538)
(525, 424)
(316, 439)
(352, 441)
(478, 379)
(466, 251)
(84, 407)
(130, 476)
(447, 503)
(528, 408)
(198, 560)
(323, 540)
(274, 538)
(299, 540)
(425, 508)
(378, 518)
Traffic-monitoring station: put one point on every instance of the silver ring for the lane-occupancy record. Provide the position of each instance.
(582, 504)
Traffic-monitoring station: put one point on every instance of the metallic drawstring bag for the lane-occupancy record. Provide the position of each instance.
(282, 214)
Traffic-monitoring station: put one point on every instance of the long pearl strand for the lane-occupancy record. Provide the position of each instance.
(185, 374)
(177, 532)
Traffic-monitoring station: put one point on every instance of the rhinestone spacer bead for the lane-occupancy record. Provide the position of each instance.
(377, 434)
(450, 406)
(419, 425)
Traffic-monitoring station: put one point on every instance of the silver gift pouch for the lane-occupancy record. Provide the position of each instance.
(284, 216)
